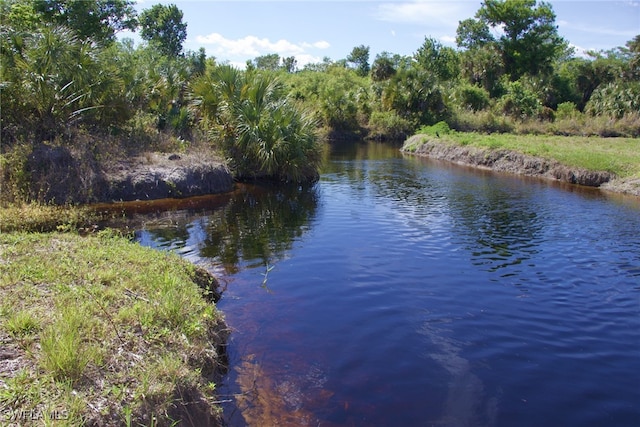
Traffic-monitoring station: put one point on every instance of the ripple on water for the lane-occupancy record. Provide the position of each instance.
(407, 293)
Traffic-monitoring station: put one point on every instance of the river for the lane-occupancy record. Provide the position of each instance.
(403, 291)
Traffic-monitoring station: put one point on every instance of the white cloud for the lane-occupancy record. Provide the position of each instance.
(566, 25)
(449, 40)
(237, 51)
(578, 51)
(422, 12)
(318, 45)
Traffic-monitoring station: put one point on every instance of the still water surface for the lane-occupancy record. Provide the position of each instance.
(401, 291)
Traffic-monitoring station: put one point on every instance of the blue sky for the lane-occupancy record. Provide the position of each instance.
(237, 31)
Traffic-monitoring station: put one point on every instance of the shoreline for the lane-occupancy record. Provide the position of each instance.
(510, 161)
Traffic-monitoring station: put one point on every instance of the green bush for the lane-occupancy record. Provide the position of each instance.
(439, 129)
(615, 99)
(472, 97)
(566, 110)
(387, 125)
(520, 102)
(260, 129)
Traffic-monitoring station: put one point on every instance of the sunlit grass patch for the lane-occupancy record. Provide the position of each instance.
(620, 156)
(98, 324)
(41, 218)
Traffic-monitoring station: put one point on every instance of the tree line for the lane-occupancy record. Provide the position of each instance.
(67, 80)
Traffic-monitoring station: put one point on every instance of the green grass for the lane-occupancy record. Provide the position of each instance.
(620, 156)
(43, 218)
(103, 329)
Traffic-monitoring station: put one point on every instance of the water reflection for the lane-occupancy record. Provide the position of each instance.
(504, 225)
(397, 297)
(256, 225)
(259, 225)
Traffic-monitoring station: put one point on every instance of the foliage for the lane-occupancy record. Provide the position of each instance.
(472, 97)
(53, 80)
(437, 59)
(566, 110)
(530, 42)
(163, 27)
(387, 125)
(359, 57)
(267, 62)
(520, 102)
(383, 67)
(472, 33)
(483, 66)
(67, 83)
(259, 128)
(438, 129)
(615, 99)
(97, 20)
(415, 95)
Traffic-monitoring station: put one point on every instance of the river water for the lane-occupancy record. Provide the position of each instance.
(402, 291)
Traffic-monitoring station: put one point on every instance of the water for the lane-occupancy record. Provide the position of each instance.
(402, 291)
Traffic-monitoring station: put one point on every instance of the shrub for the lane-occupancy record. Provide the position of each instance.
(385, 125)
(615, 99)
(472, 97)
(440, 128)
(566, 110)
(520, 102)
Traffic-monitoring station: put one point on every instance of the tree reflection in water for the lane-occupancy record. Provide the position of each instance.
(257, 225)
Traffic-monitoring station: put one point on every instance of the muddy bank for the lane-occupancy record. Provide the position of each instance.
(517, 163)
(59, 175)
(161, 175)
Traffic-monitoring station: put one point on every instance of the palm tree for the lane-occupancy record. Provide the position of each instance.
(259, 128)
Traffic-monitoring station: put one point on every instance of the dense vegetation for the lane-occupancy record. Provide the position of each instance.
(67, 81)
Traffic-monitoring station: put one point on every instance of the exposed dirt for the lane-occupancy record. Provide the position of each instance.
(162, 175)
(59, 175)
(522, 164)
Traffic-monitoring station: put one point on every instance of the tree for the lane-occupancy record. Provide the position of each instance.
(383, 67)
(96, 20)
(483, 65)
(267, 62)
(530, 42)
(289, 64)
(163, 26)
(633, 49)
(439, 60)
(473, 33)
(359, 56)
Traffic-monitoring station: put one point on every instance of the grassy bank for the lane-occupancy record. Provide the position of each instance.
(620, 156)
(98, 328)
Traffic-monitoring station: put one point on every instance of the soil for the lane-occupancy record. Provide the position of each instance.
(162, 175)
(59, 175)
(522, 164)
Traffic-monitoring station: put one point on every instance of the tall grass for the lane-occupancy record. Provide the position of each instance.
(576, 124)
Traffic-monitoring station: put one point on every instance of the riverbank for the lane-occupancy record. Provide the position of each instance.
(97, 330)
(611, 164)
(59, 174)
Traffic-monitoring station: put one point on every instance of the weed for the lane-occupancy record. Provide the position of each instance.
(64, 351)
(22, 323)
